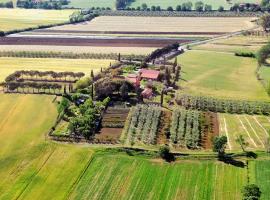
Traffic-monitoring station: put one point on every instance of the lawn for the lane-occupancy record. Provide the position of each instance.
(9, 65)
(91, 3)
(165, 4)
(255, 130)
(11, 19)
(31, 167)
(119, 177)
(220, 75)
(265, 73)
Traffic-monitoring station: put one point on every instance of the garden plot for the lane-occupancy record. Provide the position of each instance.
(255, 130)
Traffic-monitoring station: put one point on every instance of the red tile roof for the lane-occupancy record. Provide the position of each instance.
(148, 73)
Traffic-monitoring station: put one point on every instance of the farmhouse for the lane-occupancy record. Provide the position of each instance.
(134, 79)
(149, 74)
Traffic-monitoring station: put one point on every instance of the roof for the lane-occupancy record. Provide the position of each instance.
(133, 78)
(148, 73)
(147, 92)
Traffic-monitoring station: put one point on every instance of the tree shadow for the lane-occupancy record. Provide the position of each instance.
(231, 161)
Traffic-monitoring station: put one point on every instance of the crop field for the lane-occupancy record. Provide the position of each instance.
(119, 177)
(91, 3)
(9, 65)
(161, 24)
(165, 4)
(235, 44)
(221, 75)
(11, 19)
(32, 168)
(255, 130)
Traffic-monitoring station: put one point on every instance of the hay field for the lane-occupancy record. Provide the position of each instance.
(161, 24)
(91, 3)
(234, 44)
(220, 75)
(11, 19)
(253, 128)
(80, 49)
(9, 65)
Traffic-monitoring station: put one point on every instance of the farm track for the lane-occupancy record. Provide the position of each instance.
(116, 42)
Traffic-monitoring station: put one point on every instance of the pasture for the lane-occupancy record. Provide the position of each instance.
(165, 4)
(255, 130)
(91, 3)
(161, 24)
(11, 19)
(9, 65)
(221, 75)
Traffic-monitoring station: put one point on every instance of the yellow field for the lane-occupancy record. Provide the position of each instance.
(11, 19)
(80, 49)
(9, 65)
(162, 24)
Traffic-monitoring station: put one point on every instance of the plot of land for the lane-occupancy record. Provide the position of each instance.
(9, 65)
(255, 130)
(11, 19)
(119, 177)
(165, 4)
(91, 3)
(161, 24)
(220, 75)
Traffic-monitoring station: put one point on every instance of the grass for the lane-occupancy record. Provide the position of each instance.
(119, 177)
(9, 65)
(265, 73)
(11, 19)
(254, 129)
(91, 3)
(165, 4)
(220, 75)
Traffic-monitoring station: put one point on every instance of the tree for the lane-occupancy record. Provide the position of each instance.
(164, 153)
(241, 141)
(199, 6)
(144, 6)
(174, 64)
(263, 54)
(167, 76)
(178, 8)
(124, 90)
(220, 9)
(153, 8)
(265, 22)
(170, 8)
(219, 145)
(251, 192)
(207, 8)
(187, 6)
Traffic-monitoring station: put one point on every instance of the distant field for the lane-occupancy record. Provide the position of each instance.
(165, 4)
(11, 19)
(253, 128)
(234, 44)
(81, 49)
(119, 177)
(220, 75)
(9, 65)
(91, 3)
(161, 24)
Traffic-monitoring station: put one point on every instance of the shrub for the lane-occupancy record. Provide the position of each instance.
(245, 54)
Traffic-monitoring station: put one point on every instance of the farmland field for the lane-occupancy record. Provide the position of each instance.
(9, 65)
(265, 73)
(165, 4)
(161, 24)
(119, 177)
(91, 3)
(220, 75)
(255, 130)
(11, 19)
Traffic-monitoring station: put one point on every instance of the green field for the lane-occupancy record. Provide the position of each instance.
(220, 75)
(9, 65)
(11, 19)
(255, 130)
(265, 73)
(92, 3)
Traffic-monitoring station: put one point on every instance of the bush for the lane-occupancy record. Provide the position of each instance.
(245, 54)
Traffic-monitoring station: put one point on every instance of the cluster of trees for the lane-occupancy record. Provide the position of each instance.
(8, 4)
(30, 4)
(223, 105)
(263, 54)
(160, 52)
(68, 55)
(246, 7)
(44, 75)
(185, 128)
(142, 124)
(122, 4)
(80, 16)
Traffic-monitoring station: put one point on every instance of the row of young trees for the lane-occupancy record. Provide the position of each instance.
(44, 75)
(142, 124)
(223, 105)
(186, 128)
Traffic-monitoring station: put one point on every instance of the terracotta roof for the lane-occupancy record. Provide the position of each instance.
(148, 73)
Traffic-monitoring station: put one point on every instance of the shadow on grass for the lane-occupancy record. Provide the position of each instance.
(231, 161)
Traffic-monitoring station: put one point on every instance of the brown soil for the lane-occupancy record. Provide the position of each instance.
(144, 42)
(164, 125)
(109, 134)
(211, 129)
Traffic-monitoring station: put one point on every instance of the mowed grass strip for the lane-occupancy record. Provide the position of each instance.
(11, 19)
(31, 167)
(9, 65)
(253, 128)
(122, 177)
(221, 75)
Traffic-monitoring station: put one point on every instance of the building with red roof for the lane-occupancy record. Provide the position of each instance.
(149, 74)
(134, 79)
